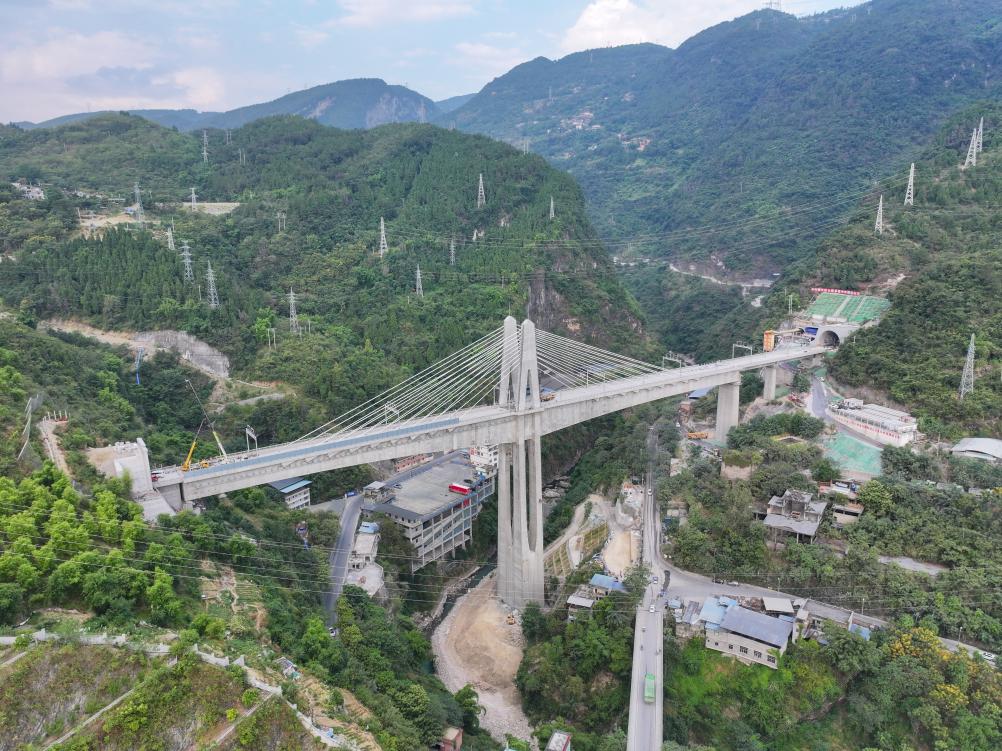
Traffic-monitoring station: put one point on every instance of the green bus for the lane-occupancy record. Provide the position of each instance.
(649, 688)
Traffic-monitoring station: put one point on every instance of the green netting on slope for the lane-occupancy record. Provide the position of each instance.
(854, 308)
(853, 455)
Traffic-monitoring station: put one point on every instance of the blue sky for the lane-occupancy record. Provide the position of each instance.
(62, 56)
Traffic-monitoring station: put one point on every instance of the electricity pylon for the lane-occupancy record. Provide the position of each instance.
(910, 192)
(189, 272)
(972, 151)
(552, 212)
(878, 226)
(293, 317)
(452, 252)
(139, 205)
(481, 198)
(383, 247)
(418, 289)
(210, 280)
(967, 379)
(981, 133)
(205, 147)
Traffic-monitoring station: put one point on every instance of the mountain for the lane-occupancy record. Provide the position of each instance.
(354, 103)
(765, 129)
(453, 102)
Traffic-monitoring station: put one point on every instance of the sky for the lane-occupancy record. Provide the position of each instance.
(63, 56)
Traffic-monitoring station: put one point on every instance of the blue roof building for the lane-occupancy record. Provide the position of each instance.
(603, 585)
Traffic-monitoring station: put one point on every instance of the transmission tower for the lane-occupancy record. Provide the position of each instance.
(210, 280)
(293, 317)
(910, 193)
(981, 133)
(227, 136)
(194, 199)
(972, 151)
(967, 379)
(189, 272)
(140, 217)
(170, 239)
(281, 221)
(481, 198)
(553, 213)
(205, 147)
(878, 227)
(243, 156)
(452, 252)
(383, 247)
(418, 289)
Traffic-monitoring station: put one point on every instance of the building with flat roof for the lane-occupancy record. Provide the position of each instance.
(601, 585)
(295, 491)
(986, 449)
(559, 741)
(886, 426)
(796, 514)
(434, 503)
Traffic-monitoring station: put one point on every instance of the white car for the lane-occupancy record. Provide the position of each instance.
(989, 657)
(651, 609)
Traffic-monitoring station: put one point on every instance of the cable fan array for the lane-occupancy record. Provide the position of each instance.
(565, 363)
(466, 379)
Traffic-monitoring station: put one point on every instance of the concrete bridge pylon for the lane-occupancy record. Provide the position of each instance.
(520, 472)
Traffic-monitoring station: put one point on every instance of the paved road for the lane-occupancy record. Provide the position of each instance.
(339, 555)
(646, 717)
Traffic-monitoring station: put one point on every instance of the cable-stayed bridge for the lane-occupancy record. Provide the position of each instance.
(509, 388)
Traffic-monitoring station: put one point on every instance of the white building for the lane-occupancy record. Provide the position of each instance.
(884, 425)
(485, 458)
(986, 449)
(434, 503)
(295, 491)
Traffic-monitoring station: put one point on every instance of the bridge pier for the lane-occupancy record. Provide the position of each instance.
(727, 408)
(769, 375)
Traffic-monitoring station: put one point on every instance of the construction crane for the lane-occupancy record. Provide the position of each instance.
(205, 421)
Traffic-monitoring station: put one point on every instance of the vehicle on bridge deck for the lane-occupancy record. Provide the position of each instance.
(649, 688)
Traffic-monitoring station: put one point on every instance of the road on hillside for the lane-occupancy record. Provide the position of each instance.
(338, 560)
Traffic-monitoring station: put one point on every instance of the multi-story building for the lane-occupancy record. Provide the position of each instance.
(751, 636)
(434, 503)
(295, 491)
(795, 514)
(485, 458)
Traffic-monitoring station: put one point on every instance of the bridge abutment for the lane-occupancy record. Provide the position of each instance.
(727, 408)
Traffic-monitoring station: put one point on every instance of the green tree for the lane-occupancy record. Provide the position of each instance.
(876, 497)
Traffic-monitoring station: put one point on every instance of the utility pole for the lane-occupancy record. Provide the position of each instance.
(210, 280)
(293, 318)
(383, 247)
(910, 193)
(481, 198)
(418, 289)
(205, 147)
(878, 227)
(243, 156)
(739, 345)
(272, 339)
(789, 301)
(189, 272)
(553, 212)
(249, 432)
(972, 151)
(194, 199)
(281, 221)
(139, 205)
(227, 136)
(452, 252)
(967, 379)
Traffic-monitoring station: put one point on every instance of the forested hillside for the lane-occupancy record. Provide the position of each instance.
(748, 122)
(942, 259)
(367, 327)
(353, 103)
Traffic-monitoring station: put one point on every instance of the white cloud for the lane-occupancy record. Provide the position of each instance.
(488, 60)
(611, 22)
(203, 88)
(70, 53)
(310, 37)
(376, 12)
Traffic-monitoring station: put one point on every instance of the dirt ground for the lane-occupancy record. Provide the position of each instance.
(474, 644)
(618, 553)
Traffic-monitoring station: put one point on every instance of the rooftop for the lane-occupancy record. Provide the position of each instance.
(558, 741)
(580, 602)
(758, 626)
(424, 490)
(607, 582)
(797, 526)
(989, 446)
(777, 605)
(365, 544)
(290, 485)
